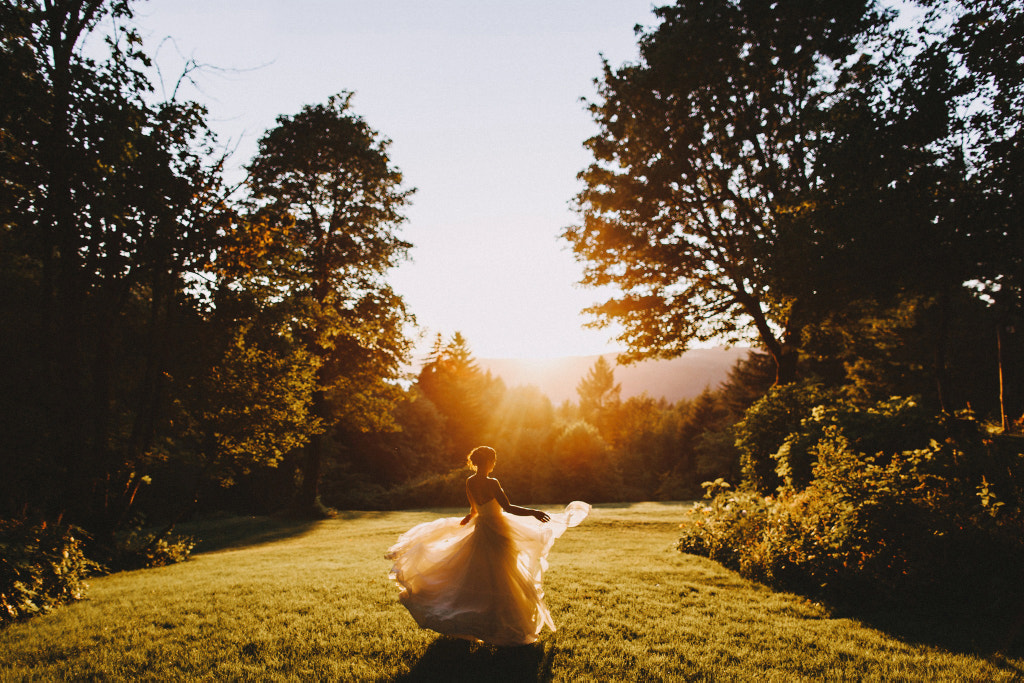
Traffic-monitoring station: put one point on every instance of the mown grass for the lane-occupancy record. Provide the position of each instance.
(279, 601)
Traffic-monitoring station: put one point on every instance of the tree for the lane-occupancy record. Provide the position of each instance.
(110, 203)
(982, 53)
(465, 396)
(599, 396)
(250, 407)
(580, 466)
(705, 148)
(522, 428)
(326, 203)
(925, 161)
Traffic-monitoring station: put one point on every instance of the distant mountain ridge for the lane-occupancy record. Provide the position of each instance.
(675, 379)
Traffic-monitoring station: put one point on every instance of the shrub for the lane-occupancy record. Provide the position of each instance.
(888, 427)
(937, 524)
(726, 527)
(765, 428)
(41, 566)
(141, 549)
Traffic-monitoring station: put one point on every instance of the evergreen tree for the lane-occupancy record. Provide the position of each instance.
(465, 396)
(599, 398)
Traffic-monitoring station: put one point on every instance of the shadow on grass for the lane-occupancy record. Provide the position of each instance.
(996, 635)
(234, 533)
(454, 659)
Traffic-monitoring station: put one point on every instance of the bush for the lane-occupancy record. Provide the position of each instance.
(41, 566)
(765, 428)
(881, 430)
(727, 527)
(144, 549)
(936, 524)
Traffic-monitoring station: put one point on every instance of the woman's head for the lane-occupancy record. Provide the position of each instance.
(482, 458)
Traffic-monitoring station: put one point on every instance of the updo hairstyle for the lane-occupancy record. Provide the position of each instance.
(480, 456)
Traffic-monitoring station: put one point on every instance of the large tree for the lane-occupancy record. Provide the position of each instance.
(322, 232)
(110, 201)
(920, 206)
(705, 151)
(982, 54)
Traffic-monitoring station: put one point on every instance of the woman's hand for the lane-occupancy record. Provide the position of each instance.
(542, 516)
(465, 520)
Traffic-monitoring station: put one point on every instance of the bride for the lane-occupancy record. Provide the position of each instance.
(479, 578)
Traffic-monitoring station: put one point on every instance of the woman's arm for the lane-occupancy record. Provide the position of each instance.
(508, 507)
(472, 508)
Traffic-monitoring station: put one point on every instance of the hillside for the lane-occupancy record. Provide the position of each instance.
(683, 377)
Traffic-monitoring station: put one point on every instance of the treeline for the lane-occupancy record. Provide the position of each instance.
(599, 448)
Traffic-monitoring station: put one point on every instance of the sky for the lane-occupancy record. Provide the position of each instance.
(483, 103)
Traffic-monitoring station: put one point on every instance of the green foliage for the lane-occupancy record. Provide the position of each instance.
(705, 152)
(642, 448)
(765, 428)
(834, 180)
(143, 549)
(41, 566)
(881, 430)
(466, 397)
(321, 229)
(599, 396)
(523, 428)
(582, 467)
(882, 521)
(249, 410)
(446, 490)
(111, 205)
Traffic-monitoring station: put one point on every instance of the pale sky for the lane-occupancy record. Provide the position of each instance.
(482, 102)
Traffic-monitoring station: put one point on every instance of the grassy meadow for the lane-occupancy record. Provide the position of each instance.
(275, 600)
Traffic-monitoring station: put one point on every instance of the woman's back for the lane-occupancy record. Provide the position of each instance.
(482, 489)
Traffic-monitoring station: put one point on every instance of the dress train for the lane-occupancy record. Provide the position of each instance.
(482, 580)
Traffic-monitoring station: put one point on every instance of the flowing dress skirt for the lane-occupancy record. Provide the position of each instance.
(482, 580)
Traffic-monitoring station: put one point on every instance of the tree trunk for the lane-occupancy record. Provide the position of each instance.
(1002, 387)
(782, 351)
(940, 366)
(310, 491)
(785, 366)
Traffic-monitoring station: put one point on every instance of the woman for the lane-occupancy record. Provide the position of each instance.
(479, 578)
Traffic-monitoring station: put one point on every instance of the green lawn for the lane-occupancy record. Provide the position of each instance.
(272, 600)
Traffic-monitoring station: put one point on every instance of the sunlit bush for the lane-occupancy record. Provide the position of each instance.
(940, 523)
(143, 549)
(41, 566)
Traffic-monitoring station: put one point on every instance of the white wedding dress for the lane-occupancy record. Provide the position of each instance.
(482, 580)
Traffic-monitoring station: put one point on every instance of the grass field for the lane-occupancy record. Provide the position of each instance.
(280, 601)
